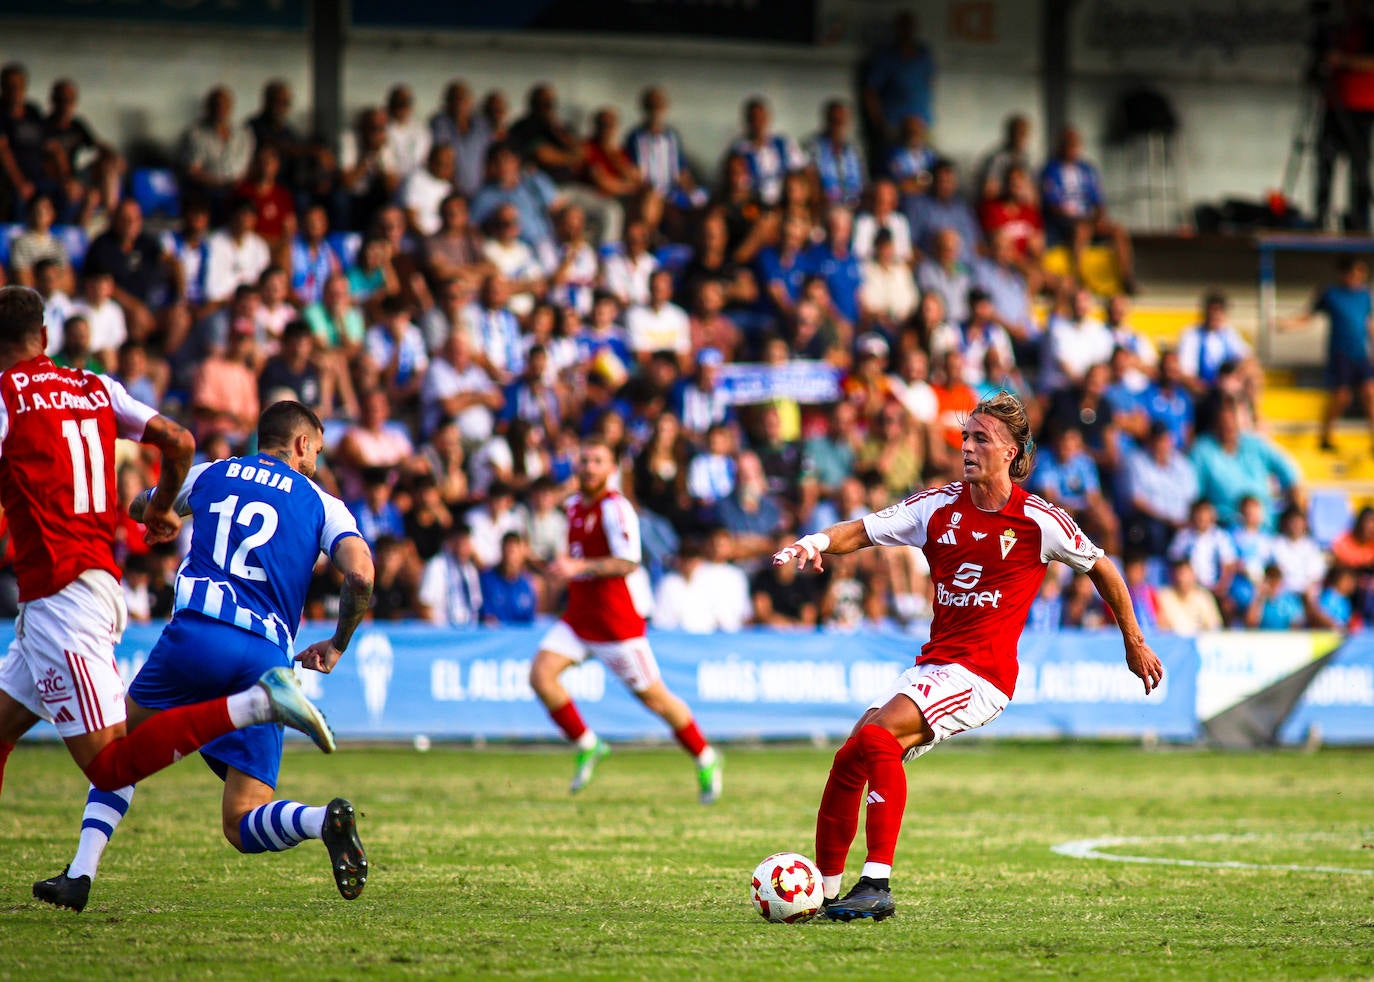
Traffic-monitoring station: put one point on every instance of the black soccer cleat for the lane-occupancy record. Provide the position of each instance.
(865, 900)
(347, 860)
(66, 891)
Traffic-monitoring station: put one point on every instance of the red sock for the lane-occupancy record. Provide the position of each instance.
(569, 720)
(886, 792)
(5, 749)
(837, 821)
(159, 742)
(691, 739)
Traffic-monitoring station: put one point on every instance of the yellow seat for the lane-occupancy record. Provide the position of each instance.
(1099, 268)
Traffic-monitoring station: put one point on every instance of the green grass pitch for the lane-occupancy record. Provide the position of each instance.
(483, 866)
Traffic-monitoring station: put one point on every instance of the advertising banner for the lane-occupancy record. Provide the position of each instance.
(401, 680)
(1338, 705)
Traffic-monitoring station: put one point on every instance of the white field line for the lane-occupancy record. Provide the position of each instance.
(1092, 849)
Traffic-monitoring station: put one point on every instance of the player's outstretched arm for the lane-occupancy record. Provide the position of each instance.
(846, 537)
(353, 558)
(1140, 659)
(178, 449)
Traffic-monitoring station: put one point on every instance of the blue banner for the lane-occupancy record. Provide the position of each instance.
(401, 680)
(1338, 705)
(803, 381)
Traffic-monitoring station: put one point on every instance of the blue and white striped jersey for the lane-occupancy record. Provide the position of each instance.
(257, 529)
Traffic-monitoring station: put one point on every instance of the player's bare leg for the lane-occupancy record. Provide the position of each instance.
(253, 821)
(544, 680)
(871, 756)
(16, 719)
(675, 713)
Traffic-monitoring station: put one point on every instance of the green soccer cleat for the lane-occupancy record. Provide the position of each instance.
(291, 708)
(586, 764)
(710, 778)
(347, 860)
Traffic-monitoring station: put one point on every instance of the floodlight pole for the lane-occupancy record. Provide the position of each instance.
(1056, 63)
(328, 29)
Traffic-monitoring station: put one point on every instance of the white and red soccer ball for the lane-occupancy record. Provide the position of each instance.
(786, 888)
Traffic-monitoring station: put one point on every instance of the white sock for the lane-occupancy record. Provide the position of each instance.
(312, 820)
(877, 871)
(831, 884)
(707, 757)
(249, 707)
(104, 810)
(587, 740)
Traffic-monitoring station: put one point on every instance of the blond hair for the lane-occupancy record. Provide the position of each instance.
(1007, 409)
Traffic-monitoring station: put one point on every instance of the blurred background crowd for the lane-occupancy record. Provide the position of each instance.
(466, 285)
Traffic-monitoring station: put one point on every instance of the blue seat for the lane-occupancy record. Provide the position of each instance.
(74, 240)
(1328, 514)
(8, 233)
(345, 246)
(157, 192)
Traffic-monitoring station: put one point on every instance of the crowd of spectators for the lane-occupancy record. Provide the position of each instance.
(462, 296)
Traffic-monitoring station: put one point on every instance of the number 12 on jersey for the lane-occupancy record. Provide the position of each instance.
(88, 486)
(238, 565)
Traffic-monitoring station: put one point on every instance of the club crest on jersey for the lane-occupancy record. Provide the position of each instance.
(1007, 539)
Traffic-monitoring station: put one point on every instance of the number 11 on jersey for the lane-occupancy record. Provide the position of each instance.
(83, 441)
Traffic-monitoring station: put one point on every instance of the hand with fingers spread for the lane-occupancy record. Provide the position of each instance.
(805, 550)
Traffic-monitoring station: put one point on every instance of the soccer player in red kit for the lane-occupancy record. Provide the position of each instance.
(988, 543)
(57, 487)
(608, 594)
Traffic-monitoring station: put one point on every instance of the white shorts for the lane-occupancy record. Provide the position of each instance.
(950, 697)
(61, 663)
(632, 659)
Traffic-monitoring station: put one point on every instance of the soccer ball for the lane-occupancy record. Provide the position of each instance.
(787, 888)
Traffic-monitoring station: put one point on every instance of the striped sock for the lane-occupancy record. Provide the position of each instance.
(279, 825)
(104, 811)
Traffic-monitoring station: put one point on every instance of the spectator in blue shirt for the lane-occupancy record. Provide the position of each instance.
(1076, 211)
(943, 208)
(376, 514)
(1168, 400)
(1161, 487)
(769, 156)
(1275, 608)
(1347, 306)
(510, 594)
(1232, 465)
(835, 158)
(530, 192)
(911, 162)
(834, 261)
(1068, 476)
(783, 267)
(899, 81)
(1209, 346)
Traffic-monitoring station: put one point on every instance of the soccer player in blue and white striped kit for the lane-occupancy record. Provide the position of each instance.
(259, 524)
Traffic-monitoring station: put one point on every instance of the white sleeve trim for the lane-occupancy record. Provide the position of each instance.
(622, 528)
(905, 523)
(1060, 536)
(131, 416)
(338, 521)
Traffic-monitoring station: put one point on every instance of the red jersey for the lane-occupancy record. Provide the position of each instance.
(1023, 221)
(605, 608)
(987, 568)
(57, 470)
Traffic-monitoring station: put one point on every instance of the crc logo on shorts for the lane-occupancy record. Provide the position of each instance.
(52, 687)
(967, 576)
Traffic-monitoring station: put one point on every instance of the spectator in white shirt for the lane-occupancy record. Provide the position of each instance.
(1075, 342)
(450, 587)
(395, 350)
(1297, 554)
(407, 135)
(455, 386)
(237, 254)
(57, 306)
(660, 325)
(701, 596)
(884, 215)
(514, 259)
(626, 273)
(887, 293)
(104, 317)
(426, 188)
